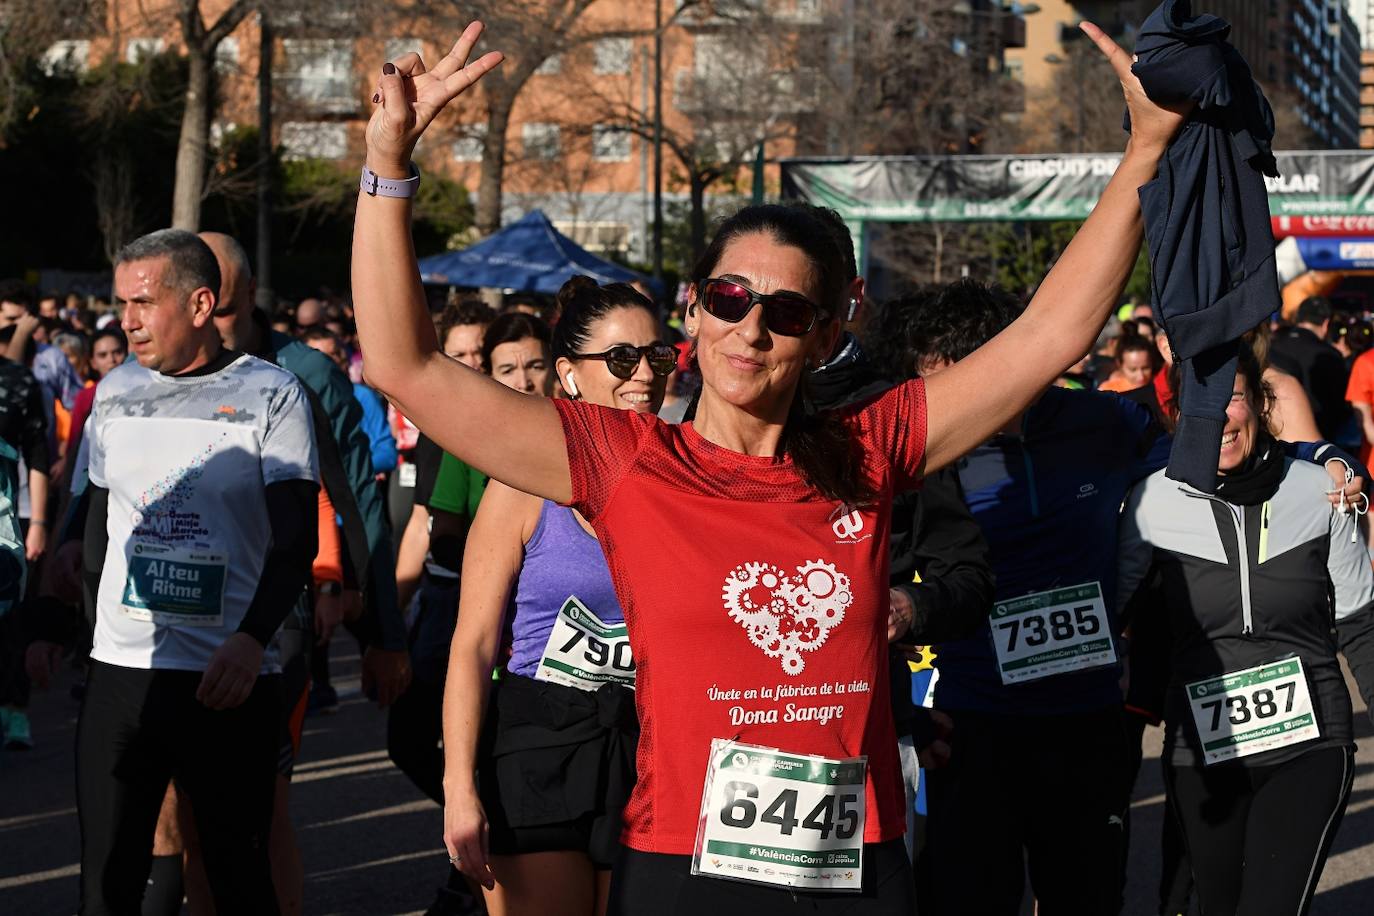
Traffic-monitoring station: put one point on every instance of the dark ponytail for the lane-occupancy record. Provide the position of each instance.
(818, 442)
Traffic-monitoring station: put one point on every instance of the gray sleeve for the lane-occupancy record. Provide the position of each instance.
(1134, 552)
(288, 445)
(1347, 563)
(93, 445)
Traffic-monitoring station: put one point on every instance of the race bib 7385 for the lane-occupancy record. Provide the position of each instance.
(1051, 632)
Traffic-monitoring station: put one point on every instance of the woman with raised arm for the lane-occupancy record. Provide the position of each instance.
(748, 548)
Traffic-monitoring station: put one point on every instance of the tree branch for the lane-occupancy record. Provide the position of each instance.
(228, 21)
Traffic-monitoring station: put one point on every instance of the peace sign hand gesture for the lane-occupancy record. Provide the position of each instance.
(410, 97)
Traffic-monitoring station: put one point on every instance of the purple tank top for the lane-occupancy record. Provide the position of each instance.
(561, 559)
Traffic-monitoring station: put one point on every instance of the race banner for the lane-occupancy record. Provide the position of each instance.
(1325, 184)
(1322, 226)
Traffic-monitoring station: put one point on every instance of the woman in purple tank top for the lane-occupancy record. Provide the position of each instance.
(539, 763)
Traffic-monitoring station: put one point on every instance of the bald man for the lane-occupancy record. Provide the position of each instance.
(309, 314)
(345, 464)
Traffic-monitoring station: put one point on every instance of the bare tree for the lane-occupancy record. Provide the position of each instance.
(112, 175)
(121, 104)
(28, 29)
(911, 77)
(1080, 110)
(201, 42)
(747, 87)
(916, 77)
(529, 32)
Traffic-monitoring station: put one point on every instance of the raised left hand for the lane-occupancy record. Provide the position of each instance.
(409, 97)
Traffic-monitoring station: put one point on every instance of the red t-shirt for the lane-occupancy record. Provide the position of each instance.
(757, 608)
(1360, 389)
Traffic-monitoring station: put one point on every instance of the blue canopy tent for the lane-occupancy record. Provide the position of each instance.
(529, 255)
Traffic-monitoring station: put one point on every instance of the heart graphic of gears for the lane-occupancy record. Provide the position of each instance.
(786, 615)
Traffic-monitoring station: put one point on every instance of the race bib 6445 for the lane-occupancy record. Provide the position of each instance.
(771, 817)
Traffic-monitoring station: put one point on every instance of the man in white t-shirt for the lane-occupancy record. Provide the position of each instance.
(201, 532)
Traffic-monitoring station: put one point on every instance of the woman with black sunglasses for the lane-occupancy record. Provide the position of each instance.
(539, 796)
(748, 547)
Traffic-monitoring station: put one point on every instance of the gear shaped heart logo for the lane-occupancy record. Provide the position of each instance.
(784, 615)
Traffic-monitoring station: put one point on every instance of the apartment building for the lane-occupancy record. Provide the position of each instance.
(1306, 52)
(576, 137)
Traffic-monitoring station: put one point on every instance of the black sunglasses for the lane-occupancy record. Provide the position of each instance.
(623, 360)
(784, 313)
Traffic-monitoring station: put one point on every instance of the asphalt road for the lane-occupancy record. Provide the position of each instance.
(371, 843)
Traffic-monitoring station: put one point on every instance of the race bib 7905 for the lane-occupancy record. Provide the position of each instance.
(585, 652)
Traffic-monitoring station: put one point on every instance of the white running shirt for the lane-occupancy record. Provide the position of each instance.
(187, 461)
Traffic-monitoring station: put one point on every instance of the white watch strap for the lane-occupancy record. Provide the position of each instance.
(374, 185)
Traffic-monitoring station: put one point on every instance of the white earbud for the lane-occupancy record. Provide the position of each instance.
(571, 386)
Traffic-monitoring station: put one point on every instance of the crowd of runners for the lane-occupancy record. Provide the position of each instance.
(643, 599)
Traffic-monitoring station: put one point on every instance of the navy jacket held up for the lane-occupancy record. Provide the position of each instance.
(1206, 219)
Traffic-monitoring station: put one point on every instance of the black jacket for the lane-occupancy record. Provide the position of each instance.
(1251, 585)
(1321, 370)
(938, 554)
(1206, 219)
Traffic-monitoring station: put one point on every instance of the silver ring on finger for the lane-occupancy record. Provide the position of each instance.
(454, 860)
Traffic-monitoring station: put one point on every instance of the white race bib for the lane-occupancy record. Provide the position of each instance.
(783, 819)
(1052, 632)
(584, 652)
(1252, 711)
(175, 586)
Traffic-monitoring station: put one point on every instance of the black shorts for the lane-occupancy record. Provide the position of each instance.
(556, 767)
(293, 646)
(647, 882)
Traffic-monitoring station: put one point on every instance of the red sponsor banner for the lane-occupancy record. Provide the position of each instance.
(1307, 226)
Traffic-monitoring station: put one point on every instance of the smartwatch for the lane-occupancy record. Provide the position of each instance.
(374, 185)
(330, 589)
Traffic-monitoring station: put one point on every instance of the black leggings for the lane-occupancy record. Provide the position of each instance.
(1176, 878)
(998, 811)
(645, 882)
(1258, 836)
(140, 728)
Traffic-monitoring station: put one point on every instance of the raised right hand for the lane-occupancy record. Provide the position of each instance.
(465, 836)
(410, 97)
